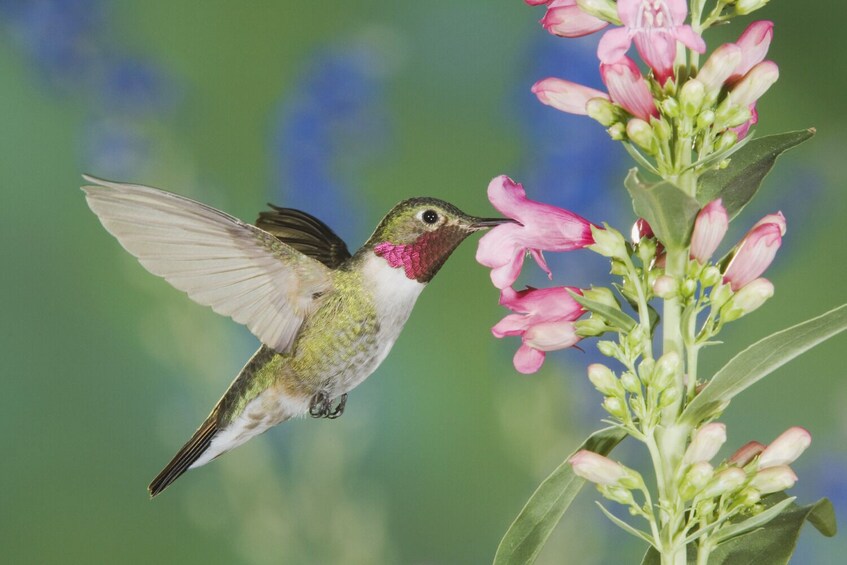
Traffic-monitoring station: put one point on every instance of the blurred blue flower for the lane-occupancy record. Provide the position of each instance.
(328, 129)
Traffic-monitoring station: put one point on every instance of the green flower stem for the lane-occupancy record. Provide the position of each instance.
(643, 312)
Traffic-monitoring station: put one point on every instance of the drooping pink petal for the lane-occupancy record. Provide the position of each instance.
(755, 253)
(629, 89)
(551, 336)
(543, 304)
(565, 95)
(528, 360)
(540, 226)
(613, 45)
(513, 324)
(659, 52)
(709, 229)
(778, 218)
(754, 44)
(564, 18)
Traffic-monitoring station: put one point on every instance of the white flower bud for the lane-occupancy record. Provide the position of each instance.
(691, 96)
(665, 287)
(666, 368)
(705, 444)
(603, 379)
(747, 299)
(786, 448)
(630, 383)
(773, 479)
(697, 477)
(642, 134)
(744, 7)
(615, 407)
(724, 482)
(603, 9)
(601, 110)
(597, 469)
(617, 132)
(608, 242)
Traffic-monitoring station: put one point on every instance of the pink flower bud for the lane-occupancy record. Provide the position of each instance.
(774, 479)
(640, 230)
(709, 229)
(786, 448)
(706, 442)
(777, 219)
(596, 468)
(565, 95)
(564, 18)
(754, 84)
(746, 453)
(754, 253)
(628, 88)
(754, 44)
(720, 65)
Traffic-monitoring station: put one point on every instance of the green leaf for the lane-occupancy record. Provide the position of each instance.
(741, 179)
(528, 533)
(775, 542)
(730, 531)
(668, 210)
(760, 359)
(612, 315)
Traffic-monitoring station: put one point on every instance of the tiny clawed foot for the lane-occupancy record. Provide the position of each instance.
(321, 406)
(339, 409)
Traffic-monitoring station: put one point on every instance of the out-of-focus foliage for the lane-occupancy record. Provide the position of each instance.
(107, 370)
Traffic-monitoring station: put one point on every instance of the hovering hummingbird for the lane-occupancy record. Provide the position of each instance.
(326, 318)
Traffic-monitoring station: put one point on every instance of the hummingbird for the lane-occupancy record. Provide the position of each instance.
(326, 318)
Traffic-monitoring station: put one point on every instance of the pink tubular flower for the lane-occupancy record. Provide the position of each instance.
(720, 65)
(628, 88)
(754, 84)
(655, 26)
(754, 44)
(773, 479)
(755, 252)
(565, 95)
(746, 453)
(786, 448)
(540, 226)
(544, 320)
(596, 468)
(709, 229)
(564, 18)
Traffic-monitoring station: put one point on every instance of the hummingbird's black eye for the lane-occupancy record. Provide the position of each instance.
(430, 216)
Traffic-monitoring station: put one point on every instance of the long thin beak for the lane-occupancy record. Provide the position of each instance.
(485, 223)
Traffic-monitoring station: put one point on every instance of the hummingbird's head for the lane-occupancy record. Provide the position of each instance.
(419, 235)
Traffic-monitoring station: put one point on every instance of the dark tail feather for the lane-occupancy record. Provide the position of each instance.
(189, 453)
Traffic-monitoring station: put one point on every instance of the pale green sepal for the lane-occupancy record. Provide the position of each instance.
(775, 542)
(761, 359)
(528, 533)
(624, 526)
(668, 210)
(740, 180)
(612, 315)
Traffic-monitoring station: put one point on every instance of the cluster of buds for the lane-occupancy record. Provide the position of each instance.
(737, 484)
(713, 107)
(735, 283)
(636, 398)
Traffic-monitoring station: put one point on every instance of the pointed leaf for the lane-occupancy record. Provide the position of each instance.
(761, 359)
(730, 531)
(528, 533)
(741, 179)
(612, 315)
(668, 210)
(775, 541)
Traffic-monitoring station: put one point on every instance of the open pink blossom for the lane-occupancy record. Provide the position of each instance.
(756, 251)
(541, 226)
(709, 228)
(565, 95)
(655, 26)
(544, 320)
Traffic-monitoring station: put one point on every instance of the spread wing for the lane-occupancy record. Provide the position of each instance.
(239, 270)
(305, 233)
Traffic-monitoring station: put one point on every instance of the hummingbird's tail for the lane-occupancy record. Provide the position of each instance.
(185, 457)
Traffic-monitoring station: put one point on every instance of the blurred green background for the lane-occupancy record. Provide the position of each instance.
(343, 109)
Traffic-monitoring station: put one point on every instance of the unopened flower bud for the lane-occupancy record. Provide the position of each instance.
(617, 132)
(607, 348)
(786, 448)
(608, 242)
(670, 107)
(726, 140)
(666, 368)
(773, 479)
(602, 295)
(709, 229)
(617, 494)
(705, 444)
(748, 497)
(591, 327)
(744, 7)
(754, 84)
(749, 298)
(720, 295)
(669, 397)
(640, 230)
(645, 370)
(754, 254)
(745, 454)
(691, 96)
(688, 288)
(631, 383)
(603, 9)
(603, 379)
(696, 479)
(665, 287)
(662, 129)
(642, 134)
(705, 119)
(601, 110)
(615, 407)
(719, 66)
(597, 469)
(710, 276)
(724, 482)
